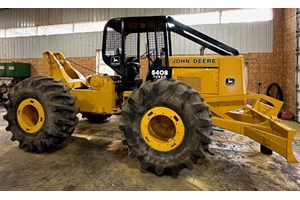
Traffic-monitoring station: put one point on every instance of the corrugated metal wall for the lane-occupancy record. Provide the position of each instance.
(73, 45)
(14, 18)
(246, 37)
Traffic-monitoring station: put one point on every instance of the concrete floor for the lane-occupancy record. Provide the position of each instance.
(84, 164)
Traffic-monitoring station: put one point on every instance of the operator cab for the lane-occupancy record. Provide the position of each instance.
(138, 48)
(134, 41)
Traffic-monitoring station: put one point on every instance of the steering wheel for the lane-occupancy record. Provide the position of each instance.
(148, 54)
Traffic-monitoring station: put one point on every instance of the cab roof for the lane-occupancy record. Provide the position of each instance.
(138, 24)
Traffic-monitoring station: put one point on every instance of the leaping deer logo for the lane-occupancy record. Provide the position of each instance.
(230, 81)
(115, 60)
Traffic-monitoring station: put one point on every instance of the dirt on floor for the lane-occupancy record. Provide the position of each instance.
(83, 163)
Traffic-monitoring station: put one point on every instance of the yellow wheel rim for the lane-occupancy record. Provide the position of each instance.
(30, 115)
(162, 129)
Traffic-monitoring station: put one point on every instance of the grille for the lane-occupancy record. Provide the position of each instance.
(194, 82)
(113, 42)
(131, 45)
(156, 37)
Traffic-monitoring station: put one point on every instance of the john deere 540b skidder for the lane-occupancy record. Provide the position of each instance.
(167, 119)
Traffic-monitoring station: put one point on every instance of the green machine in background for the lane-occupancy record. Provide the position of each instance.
(15, 70)
(11, 74)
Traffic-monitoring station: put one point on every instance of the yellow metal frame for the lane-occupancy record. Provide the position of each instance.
(59, 68)
(97, 94)
(259, 121)
(94, 94)
(209, 75)
(162, 129)
(30, 115)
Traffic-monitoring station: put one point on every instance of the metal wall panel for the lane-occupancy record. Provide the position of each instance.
(24, 17)
(11, 18)
(245, 37)
(73, 45)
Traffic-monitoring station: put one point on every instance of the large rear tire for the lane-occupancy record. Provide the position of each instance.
(166, 126)
(41, 114)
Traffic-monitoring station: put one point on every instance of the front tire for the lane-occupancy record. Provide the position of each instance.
(41, 114)
(152, 121)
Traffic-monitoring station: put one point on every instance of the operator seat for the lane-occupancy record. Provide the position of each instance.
(132, 73)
